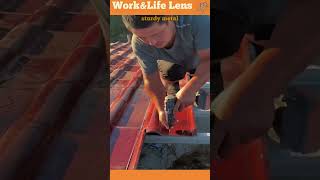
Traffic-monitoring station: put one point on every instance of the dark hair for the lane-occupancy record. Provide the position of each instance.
(136, 21)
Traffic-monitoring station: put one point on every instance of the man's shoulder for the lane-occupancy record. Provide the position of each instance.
(145, 55)
(139, 47)
(137, 44)
(192, 20)
(199, 29)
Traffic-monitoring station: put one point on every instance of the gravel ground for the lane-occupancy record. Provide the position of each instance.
(175, 156)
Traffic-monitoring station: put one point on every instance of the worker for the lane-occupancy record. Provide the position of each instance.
(244, 111)
(168, 48)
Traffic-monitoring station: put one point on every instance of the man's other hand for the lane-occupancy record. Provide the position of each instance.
(184, 99)
(162, 119)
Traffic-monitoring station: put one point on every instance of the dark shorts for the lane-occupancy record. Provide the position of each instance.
(171, 71)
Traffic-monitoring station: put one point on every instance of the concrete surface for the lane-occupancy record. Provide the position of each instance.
(284, 166)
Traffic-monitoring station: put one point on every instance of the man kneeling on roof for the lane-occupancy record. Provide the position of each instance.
(166, 51)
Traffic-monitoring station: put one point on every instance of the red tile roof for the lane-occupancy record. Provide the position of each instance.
(53, 86)
(132, 114)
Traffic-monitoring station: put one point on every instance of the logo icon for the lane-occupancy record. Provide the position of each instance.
(203, 6)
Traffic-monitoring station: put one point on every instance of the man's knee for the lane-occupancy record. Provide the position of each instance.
(171, 71)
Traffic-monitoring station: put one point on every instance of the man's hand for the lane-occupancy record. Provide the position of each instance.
(162, 119)
(184, 99)
(187, 95)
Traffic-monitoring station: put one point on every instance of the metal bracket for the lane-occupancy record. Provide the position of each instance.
(200, 138)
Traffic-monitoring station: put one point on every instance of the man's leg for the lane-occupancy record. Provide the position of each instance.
(170, 74)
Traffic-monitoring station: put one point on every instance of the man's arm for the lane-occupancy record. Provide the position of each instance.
(202, 73)
(186, 95)
(201, 34)
(155, 89)
(157, 92)
(152, 82)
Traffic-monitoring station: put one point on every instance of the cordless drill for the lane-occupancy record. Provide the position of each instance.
(170, 101)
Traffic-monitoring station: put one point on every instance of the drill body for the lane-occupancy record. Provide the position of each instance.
(170, 102)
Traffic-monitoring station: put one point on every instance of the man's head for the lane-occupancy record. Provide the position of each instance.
(159, 34)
